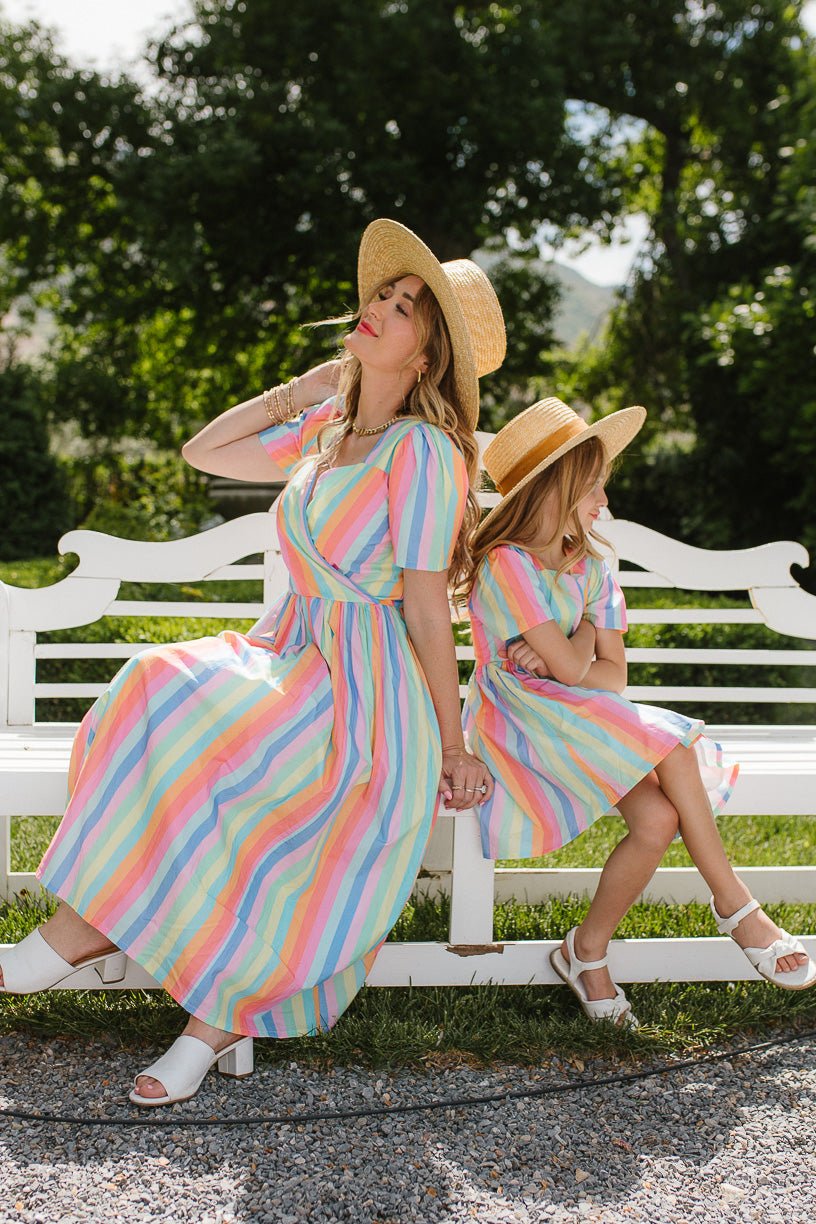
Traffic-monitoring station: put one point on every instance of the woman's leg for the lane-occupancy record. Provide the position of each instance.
(679, 775)
(652, 822)
(147, 1086)
(72, 937)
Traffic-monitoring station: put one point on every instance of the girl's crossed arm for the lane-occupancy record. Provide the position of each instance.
(607, 671)
(566, 659)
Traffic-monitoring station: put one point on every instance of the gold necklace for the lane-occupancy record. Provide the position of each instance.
(378, 429)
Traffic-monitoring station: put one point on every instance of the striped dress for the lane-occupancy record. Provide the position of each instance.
(561, 755)
(248, 811)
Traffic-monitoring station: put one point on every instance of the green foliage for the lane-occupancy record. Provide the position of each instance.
(141, 496)
(529, 297)
(35, 508)
(715, 332)
(181, 236)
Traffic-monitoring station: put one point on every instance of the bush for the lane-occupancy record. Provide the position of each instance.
(153, 496)
(35, 505)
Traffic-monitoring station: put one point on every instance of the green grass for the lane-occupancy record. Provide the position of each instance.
(447, 1025)
(750, 841)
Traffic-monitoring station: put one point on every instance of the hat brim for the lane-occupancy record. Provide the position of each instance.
(389, 249)
(616, 431)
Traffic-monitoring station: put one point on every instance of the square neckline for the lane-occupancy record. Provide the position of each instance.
(362, 462)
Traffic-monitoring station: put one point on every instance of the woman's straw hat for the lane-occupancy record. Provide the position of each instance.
(540, 435)
(467, 299)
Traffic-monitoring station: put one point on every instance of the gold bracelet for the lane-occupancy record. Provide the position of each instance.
(278, 413)
(269, 400)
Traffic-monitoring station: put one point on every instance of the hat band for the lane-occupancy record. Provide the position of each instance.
(542, 450)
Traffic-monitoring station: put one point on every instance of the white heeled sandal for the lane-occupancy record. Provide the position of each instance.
(181, 1069)
(764, 959)
(618, 1010)
(32, 965)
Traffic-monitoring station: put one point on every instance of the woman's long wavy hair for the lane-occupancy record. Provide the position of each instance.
(518, 522)
(434, 400)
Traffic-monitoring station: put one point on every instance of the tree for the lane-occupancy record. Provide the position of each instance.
(715, 328)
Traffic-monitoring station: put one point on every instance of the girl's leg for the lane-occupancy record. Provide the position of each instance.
(72, 937)
(652, 822)
(679, 775)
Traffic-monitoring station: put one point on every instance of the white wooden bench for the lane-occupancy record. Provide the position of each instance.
(778, 774)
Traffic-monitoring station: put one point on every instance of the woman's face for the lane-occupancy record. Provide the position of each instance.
(385, 338)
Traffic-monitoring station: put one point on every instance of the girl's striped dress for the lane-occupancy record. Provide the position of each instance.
(561, 755)
(248, 811)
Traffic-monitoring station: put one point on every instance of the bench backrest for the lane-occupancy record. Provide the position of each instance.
(105, 562)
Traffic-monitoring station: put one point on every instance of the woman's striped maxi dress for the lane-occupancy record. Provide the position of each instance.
(248, 811)
(561, 755)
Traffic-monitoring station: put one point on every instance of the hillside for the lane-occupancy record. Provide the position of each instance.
(584, 306)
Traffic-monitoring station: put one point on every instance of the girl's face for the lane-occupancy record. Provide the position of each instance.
(586, 512)
(385, 337)
(591, 504)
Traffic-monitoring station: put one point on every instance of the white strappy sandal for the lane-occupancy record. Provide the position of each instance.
(32, 965)
(181, 1069)
(618, 1010)
(764, 959)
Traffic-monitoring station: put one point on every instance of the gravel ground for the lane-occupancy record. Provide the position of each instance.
(731, 1141)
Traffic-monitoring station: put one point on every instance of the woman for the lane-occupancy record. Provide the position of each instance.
(248, 812)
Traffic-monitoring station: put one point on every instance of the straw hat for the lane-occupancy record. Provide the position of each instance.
(540, 435)
(463, 291)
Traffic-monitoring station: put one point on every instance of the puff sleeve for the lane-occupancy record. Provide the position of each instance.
(427, 495)
(510, 595)
(606, 605)
(287, 444)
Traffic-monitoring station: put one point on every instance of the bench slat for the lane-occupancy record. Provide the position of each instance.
(220, 611)
(660, 694)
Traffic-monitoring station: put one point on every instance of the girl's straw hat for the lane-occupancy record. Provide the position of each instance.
(540, 435)
(466, 297)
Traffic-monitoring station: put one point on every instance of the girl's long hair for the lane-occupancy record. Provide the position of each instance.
(518, 522)
(434, 399)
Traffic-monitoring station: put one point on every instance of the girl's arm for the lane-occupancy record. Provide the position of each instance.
(230, 446)
(566, 659)
(428, 619)
(609, 671)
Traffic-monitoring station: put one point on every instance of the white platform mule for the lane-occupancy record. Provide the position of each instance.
(181, 1069)
(32, 965)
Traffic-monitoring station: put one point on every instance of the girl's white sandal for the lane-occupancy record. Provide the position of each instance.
(764, 959)
(618, 1010)
(32, 965)
(182, 1068)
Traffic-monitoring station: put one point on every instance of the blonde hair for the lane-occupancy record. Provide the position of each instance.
(433, 399)
(518, 521)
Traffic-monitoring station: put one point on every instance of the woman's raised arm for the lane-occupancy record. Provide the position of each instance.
(230, 446)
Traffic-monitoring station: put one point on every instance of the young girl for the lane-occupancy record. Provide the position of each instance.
(545, 712)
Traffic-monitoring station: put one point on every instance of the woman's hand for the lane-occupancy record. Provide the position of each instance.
(317, 384)
(523, 656)
(465, 780)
